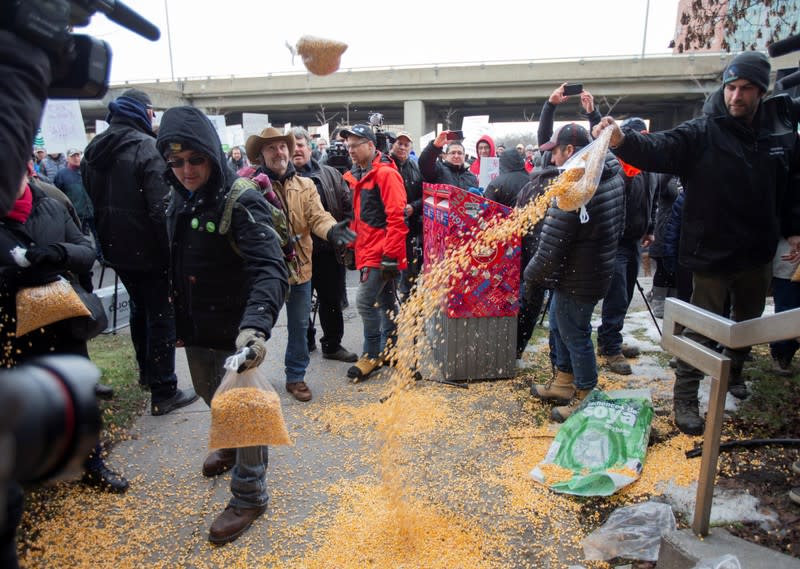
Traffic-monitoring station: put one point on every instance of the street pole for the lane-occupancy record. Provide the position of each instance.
(169, 41)
(644, 36)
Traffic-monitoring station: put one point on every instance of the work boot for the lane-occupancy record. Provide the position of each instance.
(363, 368)
(617, 364)
(657, 302)
(219, 461)
(561, 414)
(560, 388)
(736, 386)
(687, 417)
(181, 398)
(232, 523)
(782, 366)
(340, 354)
(630, 351)
(105, 479)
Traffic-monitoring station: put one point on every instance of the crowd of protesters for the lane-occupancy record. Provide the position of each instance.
(716, 199)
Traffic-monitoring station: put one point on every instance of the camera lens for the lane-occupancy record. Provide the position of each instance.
(57, 420)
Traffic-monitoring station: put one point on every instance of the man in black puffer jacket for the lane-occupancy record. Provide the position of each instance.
(122, 173)
(228, 285)
(576, 260)
(736, 165)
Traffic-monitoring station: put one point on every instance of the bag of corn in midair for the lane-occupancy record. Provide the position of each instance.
(601, 447)
(581, 175)
(246, 410)
(320, 56)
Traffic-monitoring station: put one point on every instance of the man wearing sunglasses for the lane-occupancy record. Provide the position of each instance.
(228, 285)
(122, 173)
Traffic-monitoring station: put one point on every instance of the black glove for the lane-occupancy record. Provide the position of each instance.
(52, 254)
(389, 268)
(340, 234)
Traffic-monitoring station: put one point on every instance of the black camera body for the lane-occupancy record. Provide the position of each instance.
(338, 157)
(81, 64)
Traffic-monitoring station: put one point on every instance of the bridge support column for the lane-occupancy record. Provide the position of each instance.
(414, 120)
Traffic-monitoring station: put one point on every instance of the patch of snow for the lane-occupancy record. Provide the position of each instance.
(727, 505)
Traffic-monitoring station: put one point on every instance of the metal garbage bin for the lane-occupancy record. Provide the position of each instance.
(474, 333)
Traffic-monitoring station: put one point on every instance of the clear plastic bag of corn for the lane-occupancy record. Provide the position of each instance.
(42, 305)
(246, 411)
(578, 182)
(320, 56)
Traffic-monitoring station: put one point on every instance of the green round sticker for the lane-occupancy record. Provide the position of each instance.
(195, 223)
(210, 227)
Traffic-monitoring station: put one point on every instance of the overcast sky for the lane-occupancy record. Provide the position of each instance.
(248, 37)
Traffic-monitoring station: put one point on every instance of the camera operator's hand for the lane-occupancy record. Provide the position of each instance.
(390, 268)
(256, 340)
(557, 97)
(587, 102)
(340, 234)
(54, 254)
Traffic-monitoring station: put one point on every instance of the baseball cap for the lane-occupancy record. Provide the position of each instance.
(635, 123)
(360, 130)
(72, 151)
(404, 134)
(571, 133)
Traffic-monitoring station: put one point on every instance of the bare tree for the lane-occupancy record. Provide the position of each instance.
(726, 24)
(448, 116)
(322, 116)
(604, 101)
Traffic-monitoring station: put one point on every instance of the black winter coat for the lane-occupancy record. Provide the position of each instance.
(668, 189)
(333, 193)
(26, 77)
(540, 180)
(123, 174)
(578, 259)
(512, 178)
(672, 228)
(216, 289)
(49, 223)
(737, 180)
(435, 171)
(412, 179)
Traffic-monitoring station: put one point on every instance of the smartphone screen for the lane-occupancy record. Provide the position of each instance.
(455, 135)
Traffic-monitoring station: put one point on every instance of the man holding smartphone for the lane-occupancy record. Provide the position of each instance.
(452, 168)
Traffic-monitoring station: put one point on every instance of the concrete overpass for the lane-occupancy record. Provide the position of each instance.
(667, 89)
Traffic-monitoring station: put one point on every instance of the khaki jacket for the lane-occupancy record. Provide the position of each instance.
(306, 215)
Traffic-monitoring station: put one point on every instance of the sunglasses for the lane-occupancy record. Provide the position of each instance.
(193, 161)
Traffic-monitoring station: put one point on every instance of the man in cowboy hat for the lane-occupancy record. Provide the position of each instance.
(272, 152)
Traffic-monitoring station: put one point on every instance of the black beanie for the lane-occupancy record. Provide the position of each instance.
(139, 96)
(751, 65)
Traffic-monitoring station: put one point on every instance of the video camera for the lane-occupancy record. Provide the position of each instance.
(376, 122)
(788, 45)
(50, 420)
(80, 64)
(338, 157)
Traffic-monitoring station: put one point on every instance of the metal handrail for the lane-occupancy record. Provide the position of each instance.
(679, 315)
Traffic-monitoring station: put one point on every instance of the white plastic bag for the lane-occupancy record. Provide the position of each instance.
(632, 532)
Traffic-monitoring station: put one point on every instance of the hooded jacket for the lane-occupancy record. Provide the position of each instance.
(218, 290)
(379, 201)
(475, 167)
(435, 171)
(123, 175)
(48, 223)
(512, 179)
(577, 258)
(739, 195)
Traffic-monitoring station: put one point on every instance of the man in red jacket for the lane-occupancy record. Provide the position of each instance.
(379, 200)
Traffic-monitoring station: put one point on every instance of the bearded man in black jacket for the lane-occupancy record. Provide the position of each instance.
(738, 166)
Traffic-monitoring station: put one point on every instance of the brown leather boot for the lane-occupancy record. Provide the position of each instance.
(561, 414)
(219, 461)
(232, 523)
(560, 389)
